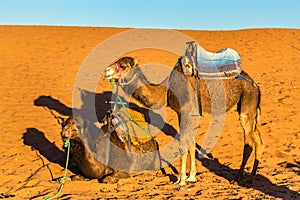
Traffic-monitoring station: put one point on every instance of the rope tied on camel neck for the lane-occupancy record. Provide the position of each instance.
(62, 180)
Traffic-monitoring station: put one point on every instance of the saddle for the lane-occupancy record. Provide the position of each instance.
(225, 63)
(131, 125)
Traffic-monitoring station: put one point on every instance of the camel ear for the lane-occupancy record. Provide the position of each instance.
(184, 61)
(61, 120)
(186, 66)
(134, 62)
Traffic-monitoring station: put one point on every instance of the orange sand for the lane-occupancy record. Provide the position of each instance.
(40, 61)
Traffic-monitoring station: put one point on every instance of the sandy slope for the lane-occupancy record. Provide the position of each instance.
(38, 67)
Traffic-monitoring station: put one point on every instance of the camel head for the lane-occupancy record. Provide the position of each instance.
(187, 66)
(69, 129)
(120, 68)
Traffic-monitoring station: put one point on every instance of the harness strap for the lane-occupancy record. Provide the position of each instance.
(191, 52)
(247, 79)
(199, 95)
(122, 83)
(120, 79)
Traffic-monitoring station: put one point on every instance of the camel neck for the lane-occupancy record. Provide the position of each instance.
(132, 85)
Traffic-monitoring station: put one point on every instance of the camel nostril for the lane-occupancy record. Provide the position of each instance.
(66, 135)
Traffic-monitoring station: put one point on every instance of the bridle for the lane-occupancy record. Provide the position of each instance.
(121, 82)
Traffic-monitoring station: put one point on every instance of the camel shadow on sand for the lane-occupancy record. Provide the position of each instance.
(260, 182)
(38, 141)
(102, 105)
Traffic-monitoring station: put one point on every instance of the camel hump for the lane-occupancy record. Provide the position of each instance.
(225, 63)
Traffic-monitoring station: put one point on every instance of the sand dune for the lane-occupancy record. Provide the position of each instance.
(38, 68)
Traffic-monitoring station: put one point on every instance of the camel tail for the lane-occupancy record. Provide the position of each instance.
(258, 109)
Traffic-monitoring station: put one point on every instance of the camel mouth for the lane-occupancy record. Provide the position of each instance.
(109, 73)
(64, 138)
(111, 77)
(108, 77)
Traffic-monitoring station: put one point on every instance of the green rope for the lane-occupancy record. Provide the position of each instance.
(64, 178)
(127, 111)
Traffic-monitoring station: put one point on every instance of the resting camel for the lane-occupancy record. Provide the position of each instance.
(90, 165)
(241, 92)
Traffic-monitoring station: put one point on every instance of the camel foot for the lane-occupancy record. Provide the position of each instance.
(114, 178)
(181, 181)
(234, 182)
(191, 179)
(109, 180)
(78, 177)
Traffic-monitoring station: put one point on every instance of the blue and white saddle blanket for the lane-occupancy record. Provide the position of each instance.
(225, 63)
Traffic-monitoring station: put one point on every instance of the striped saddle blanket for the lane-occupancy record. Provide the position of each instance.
(225, 63)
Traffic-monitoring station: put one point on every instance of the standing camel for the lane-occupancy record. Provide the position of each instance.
(179, 97)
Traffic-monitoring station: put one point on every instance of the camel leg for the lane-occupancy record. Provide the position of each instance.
(184, 152)
(247, 125)
(254, 140)
(182, 179)
(246, 154)
(192, 176)
(79, 177)
(193, 171)
(114, 177)
(259, 147)
(187, 139)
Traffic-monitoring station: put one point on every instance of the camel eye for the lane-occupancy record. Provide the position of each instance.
(123, 67)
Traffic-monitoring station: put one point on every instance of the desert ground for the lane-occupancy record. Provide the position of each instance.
(38, 69)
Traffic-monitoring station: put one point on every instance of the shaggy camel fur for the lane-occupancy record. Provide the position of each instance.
(180, 96)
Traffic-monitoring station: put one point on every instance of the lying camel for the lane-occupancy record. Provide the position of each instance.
(113, 143)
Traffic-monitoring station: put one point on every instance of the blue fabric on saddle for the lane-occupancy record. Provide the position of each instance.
(225, 63)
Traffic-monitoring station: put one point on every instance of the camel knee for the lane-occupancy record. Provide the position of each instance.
(185, 144)
(248, 122)
(244, 119)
